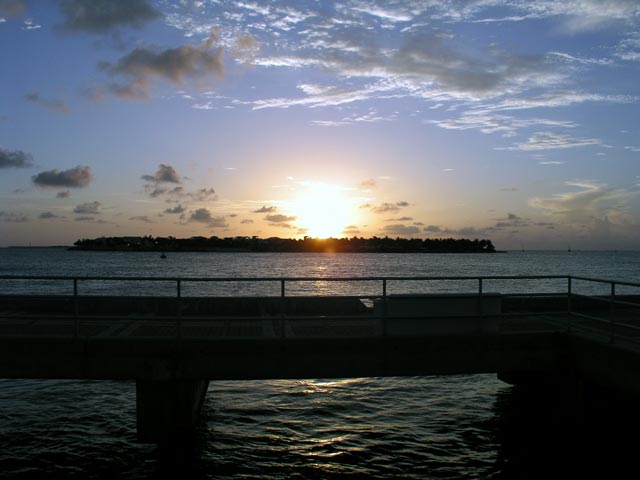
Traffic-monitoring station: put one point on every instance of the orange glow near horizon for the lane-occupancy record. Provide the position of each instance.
(323, 210)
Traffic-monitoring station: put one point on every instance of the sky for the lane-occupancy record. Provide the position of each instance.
(512, 120)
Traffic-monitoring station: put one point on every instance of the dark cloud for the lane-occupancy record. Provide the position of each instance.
(204, 194)
(155, 190)
(85, 219)
(12, 7)
(265, 209)
(15, 159)
(77, 177)
(64, 194)
(388, 207)
(101, 16)
(13, 217)
(401, 219)
(47, 215)
(53, 104)
(173, 65)
(433, 229)
(92, 208)
(164, 174)
(399, 229)
(202, 215)
(511, 220)
(278, 218)
(175, 210)
(141, 218)
(247, 220)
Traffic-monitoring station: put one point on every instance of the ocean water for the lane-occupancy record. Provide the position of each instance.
(464, 426)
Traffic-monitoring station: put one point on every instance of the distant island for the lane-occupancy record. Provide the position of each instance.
(275, 244)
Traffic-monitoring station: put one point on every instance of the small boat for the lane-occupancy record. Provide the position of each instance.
(163, 255)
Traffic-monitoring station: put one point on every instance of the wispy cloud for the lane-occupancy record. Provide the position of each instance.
(387, 207)
(279, 218)
(551, 141)
(592, 201)
(57, 105)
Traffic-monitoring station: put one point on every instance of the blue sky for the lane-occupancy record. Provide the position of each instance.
(503, 119)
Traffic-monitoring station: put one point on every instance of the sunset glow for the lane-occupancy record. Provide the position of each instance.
(323, 210)
(512, 121)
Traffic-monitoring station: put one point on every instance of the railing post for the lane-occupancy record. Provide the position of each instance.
(612, 311)
(282, 308)
(179, 308)
(569, 292)
(76, 323)
(384, 307)
(480, 309)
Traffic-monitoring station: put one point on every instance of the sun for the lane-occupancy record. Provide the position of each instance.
(323, 210)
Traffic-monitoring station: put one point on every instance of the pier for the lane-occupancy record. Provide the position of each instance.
(174, 335)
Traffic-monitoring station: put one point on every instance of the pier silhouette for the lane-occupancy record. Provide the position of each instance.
(172, 345)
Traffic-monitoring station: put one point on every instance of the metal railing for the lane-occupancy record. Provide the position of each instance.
(617, 315)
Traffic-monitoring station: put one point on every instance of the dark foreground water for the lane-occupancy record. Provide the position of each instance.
(470, 426)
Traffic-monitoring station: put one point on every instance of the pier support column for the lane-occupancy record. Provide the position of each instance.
(168, 408)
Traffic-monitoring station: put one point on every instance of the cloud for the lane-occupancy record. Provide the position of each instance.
(279, 218)
(76, 177)
(142, 64)
(204, 194)
(485, 122)
(175, 210)
(387, 207)
(247, 220)
(433, 229)
(15, 159)
(164, 174)
(48, 215)
(511, 221)
(202, 215)
(592, 201)
(550, 141)
(265, 209)
(399, 229)
(91, 208)
(85, 219)
(369, 184)
(101, 16)
(13, 217)
(245, 48)
(141, 218)
(54, 104)
(401, 219)
(64, 194)
(351, 230)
